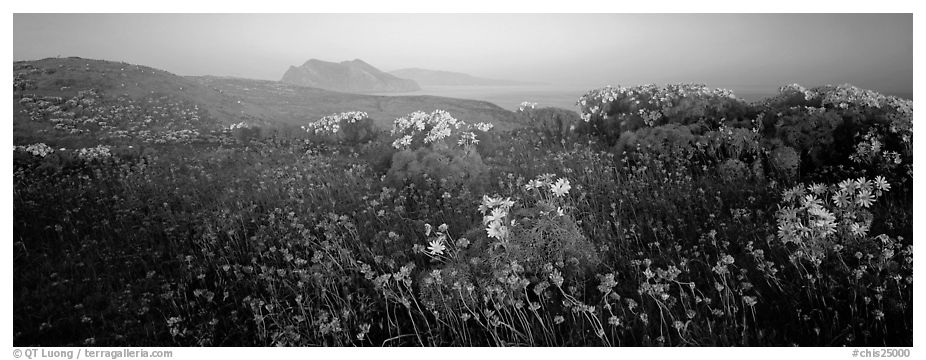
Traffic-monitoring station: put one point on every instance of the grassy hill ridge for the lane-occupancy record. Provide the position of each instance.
(231, 100)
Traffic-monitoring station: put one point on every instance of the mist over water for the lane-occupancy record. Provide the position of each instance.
(510, 97)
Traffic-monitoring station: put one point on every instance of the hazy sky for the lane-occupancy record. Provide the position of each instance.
(748, 51)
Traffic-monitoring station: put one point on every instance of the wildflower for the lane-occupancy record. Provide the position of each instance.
(881, 183)
(442, 228)
(648, 273)
(558, 319)
(817, 188)
(793, 193)
(727, 259)
(436, 247)
(497, 215)
(364, 330)
(811, 201)
(482, 126)
(858, 230)
(749, 300)
(507, 204)
(557, 278)
(561, 187)
(614, 321)
(631, 304)
(864, 198)
(559, 211)
(840, 198)
(497, 230)
(427, 229)
(486, 204)
(534, 184)
(98, 152)
(462, 242)
(38, 149)
(863, 184)
(526, 104)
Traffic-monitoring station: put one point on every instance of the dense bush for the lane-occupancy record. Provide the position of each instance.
(551, 125)
(609, 112)
(436, 146)
(450, 165)
(860, 131)
(351, 128)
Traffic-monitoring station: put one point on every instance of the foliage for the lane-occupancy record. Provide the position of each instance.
(436, 146)
(609, 112)
(701, 230)
(353, 127)
(551, 125)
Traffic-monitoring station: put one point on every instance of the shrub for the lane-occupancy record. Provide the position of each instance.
(551, 125)
(832, 126)
(353, 127)
(245, 132)
(608, 112)
(436, 146)
(454, 166)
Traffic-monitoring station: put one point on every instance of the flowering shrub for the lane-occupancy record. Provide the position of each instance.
(420, 129)
(819, 219)
(843, 125)
(518, 265)
(452, 166)
(353, 127)
(527, 105)
(551, 125)
(238, 125)
(610, 111)
(544, 231)
(242, 131)
(436, 146)
(95, 153)
(38, 149)
(538, 232)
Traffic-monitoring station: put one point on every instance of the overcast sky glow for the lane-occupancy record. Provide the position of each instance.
(740, 51)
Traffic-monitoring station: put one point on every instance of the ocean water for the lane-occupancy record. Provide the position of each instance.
(510, 97)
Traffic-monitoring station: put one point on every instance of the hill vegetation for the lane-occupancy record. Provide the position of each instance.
(673, 215)
(221, 101)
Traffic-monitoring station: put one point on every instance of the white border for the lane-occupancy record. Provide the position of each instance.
(474, 6)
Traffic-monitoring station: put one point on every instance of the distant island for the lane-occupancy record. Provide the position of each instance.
(426, 77)
(355, 76)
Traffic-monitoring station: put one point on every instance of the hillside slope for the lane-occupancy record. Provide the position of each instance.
(133, 98)
(65, 77)
(347, 76)
(297, 105)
